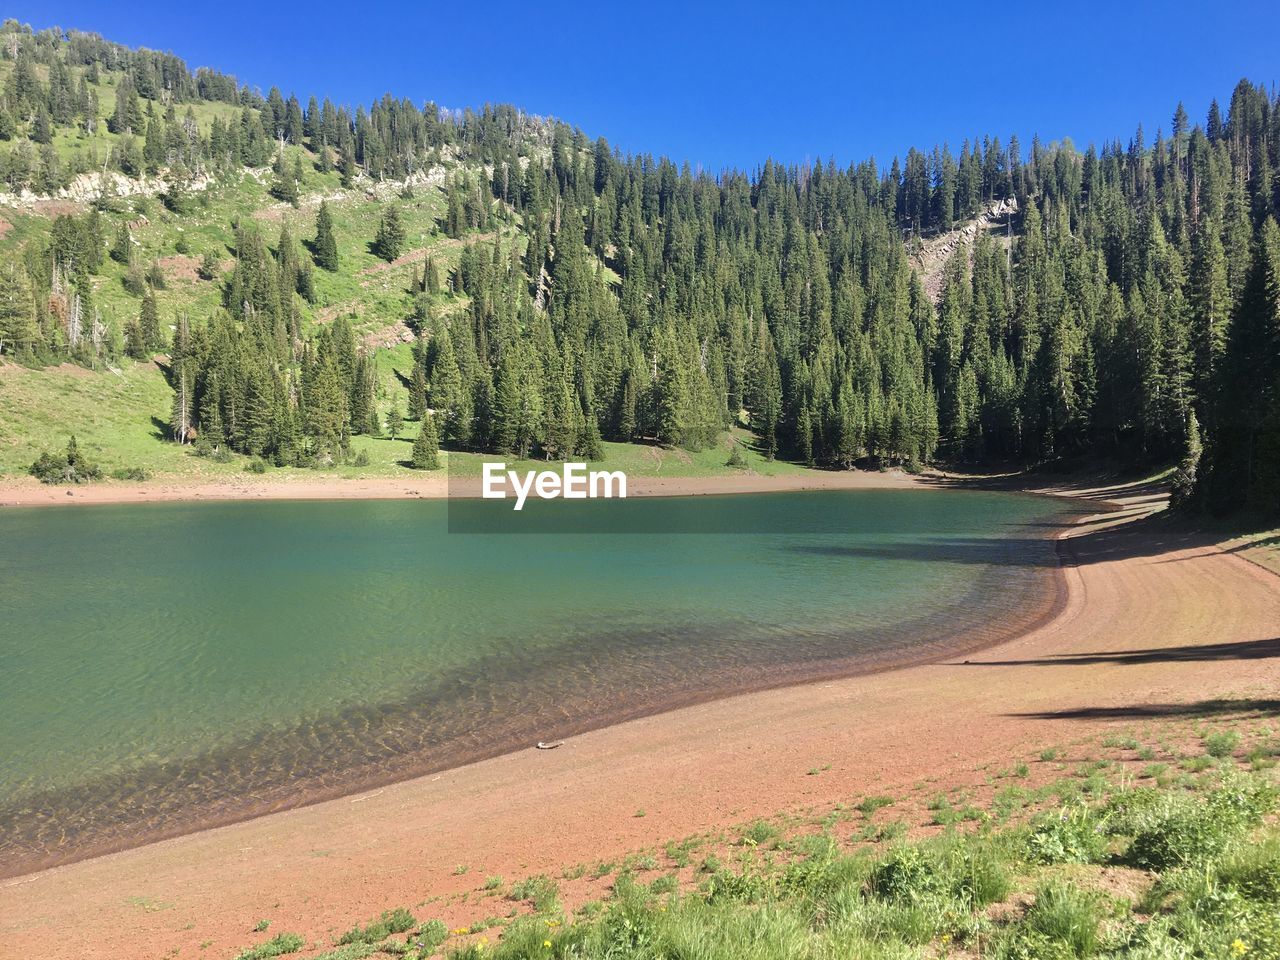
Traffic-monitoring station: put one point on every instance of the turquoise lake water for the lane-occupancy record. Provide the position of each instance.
(169, 666)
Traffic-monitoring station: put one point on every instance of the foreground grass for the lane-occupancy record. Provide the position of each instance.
(1116, 858)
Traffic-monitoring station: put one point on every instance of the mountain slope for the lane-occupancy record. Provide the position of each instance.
(574, 296)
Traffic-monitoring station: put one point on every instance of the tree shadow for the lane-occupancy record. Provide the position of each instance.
(1199, 708)
(1093, 488)
(162, 429)
(1254, 544)
(1191, 653)
(1017, 551)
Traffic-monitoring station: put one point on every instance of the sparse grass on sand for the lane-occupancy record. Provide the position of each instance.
(1101, 862)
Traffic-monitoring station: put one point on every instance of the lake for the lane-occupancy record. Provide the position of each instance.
(165, 667)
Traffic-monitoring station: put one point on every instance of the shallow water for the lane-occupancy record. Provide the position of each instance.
(170, 666)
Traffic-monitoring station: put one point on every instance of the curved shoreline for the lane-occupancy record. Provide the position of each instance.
(23, 851)
(28, 492)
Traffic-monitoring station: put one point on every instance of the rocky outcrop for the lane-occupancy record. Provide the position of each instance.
(930, 256)
(87, 187)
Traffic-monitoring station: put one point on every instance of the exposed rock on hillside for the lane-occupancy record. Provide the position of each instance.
(931, 255)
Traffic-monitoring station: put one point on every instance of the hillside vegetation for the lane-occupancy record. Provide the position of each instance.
(307, 275)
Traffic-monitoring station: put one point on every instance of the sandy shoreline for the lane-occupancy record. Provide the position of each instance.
(1153, 621)
(27, 492)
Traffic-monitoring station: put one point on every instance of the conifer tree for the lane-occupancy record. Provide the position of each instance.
(325, 246)
(389, 241)
(122, 247)
(395, 423)
(18, 330)
(426, 447)
(149, 325)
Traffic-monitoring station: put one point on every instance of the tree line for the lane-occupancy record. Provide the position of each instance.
(1129, 307)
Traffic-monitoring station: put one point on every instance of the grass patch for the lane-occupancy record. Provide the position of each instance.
(391, 921)
(278, 945)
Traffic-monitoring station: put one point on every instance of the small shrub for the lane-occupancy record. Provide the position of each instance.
(134, 281)
(256, 465)
(130, 473)
(887, 832)
(261, 925)
(1065, 914)
(391, 921)
(208, 269)
(749, 886)
(1070, 835)
(71, 467)
(869, 805)
(1221, 743)
(947, 874)
(759, 833)
(540, 891)
(278, 945)
(1254, 871)
(1180, 831)
(665, 884)
(907, 874)
(430, 935)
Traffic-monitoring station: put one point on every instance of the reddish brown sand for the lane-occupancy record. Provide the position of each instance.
(1154, 623)
(27, 492)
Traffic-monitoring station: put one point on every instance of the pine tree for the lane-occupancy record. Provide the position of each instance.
(285, 185)
(18, 330)
(395, 423)
(426, 448)
(590, 444)
(328, 415)
(149, 325)
(135, 342)
(418, 384)
(389, 241)
(325, 247)
(122, 247)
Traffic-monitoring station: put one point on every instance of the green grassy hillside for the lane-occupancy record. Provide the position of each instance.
(119, 418)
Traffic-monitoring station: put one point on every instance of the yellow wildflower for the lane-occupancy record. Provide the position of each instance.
(1238, 947)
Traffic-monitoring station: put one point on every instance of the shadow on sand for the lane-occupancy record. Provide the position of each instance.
(1241, 650)
(1199, 708)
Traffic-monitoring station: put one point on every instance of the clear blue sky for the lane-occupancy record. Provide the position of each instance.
(731, 84)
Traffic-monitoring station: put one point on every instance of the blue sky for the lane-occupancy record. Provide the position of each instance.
(731, 84)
